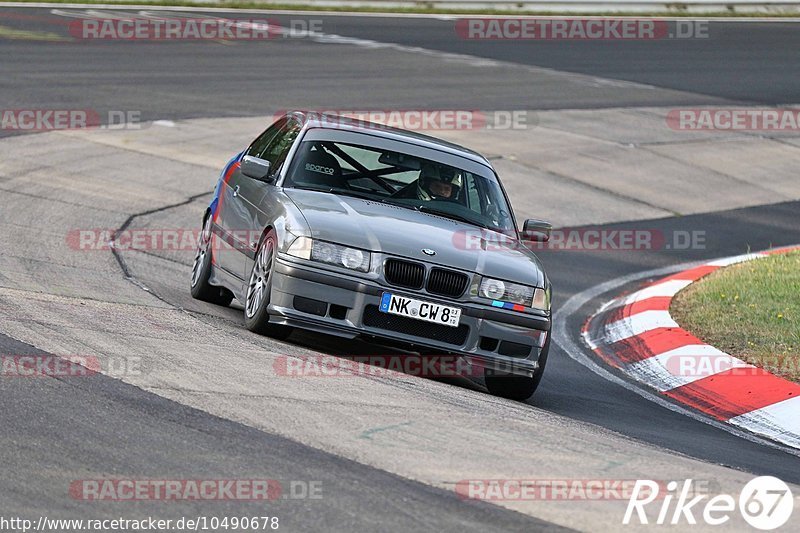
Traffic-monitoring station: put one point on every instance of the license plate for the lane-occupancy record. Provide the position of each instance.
(417, 309)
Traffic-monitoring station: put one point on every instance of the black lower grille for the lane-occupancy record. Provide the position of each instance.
(514, 349)
(373, 318)
(311, 306)
(447, 282)
(404, 273)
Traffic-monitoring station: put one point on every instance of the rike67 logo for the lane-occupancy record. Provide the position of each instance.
(765, 503)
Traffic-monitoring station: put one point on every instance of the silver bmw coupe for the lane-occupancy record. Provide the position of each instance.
(355, 229)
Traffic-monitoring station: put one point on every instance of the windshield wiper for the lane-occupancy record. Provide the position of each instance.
(344, 192)
(420, 208)
(446, 214)
(355, 194)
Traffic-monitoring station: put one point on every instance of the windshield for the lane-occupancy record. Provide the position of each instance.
(403, 180)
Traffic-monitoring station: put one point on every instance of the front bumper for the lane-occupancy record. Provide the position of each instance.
(338, 304)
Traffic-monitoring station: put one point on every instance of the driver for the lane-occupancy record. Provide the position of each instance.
(433, 184)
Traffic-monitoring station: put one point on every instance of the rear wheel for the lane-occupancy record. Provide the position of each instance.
(516, 387)
(259, 288)
(201, 271)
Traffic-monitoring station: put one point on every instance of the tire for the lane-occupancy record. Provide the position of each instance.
(259, 289)
(201, 271)
(514, 387)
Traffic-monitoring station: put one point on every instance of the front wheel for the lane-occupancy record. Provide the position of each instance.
(259, 289)
(514, 387)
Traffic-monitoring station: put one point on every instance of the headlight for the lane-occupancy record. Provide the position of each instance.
(353, 259)
(341, 256)
(513, 295)
(493, 289)
(329, 253)
(506, 292)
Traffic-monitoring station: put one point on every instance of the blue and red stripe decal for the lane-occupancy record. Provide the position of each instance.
(508, 305)
(227, 172)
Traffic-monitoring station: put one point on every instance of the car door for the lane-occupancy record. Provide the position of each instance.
(235, 216)
(259, 197)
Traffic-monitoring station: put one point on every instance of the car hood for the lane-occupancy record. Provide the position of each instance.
(405, 232)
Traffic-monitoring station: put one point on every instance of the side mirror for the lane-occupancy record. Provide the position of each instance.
(536, 230)
(256, 168)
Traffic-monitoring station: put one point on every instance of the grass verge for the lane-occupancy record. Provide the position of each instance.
(750, 310)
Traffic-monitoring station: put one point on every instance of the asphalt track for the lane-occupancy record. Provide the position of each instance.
(60, 430)
(739, 62)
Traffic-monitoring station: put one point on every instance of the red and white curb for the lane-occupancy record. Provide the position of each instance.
(636, 334)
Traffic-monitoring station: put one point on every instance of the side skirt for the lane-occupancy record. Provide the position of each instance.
(222, 278)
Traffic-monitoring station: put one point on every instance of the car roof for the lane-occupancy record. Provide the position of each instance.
(330, 121)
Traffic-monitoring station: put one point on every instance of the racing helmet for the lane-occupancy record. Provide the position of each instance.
(436, 183)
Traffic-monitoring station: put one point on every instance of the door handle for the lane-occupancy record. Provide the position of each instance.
(236, 192)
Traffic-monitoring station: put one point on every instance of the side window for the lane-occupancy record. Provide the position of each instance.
(279, 147)
(273, 145)
(260, 145)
